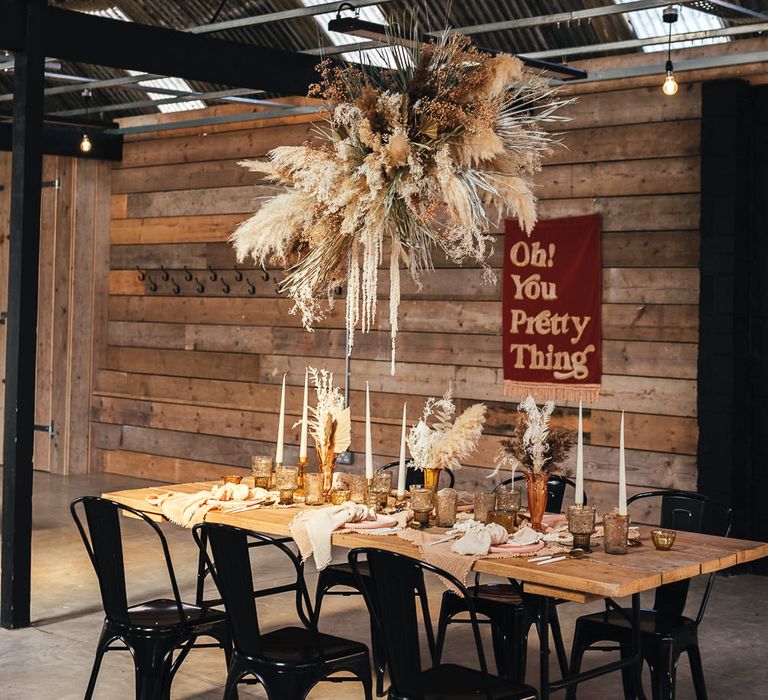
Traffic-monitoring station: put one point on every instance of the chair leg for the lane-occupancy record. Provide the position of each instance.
(578, 648)
(557, 637)
(663, 670)
(105, 639)
(697, 671)
(628, 675)
(153, 661)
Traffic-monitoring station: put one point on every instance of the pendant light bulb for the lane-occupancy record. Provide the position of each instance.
(670, 85)
(85, 143)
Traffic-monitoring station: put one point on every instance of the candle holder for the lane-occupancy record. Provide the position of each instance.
(382, 485)
(300, 478)
(581, 524)
(422, 503)
(286, 478)
(339, 496)
(371, 499)
(616, 533)
(357, 488)
(485, 502)
(446, 501)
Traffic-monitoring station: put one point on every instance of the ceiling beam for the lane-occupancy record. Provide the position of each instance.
(64, 140)
(75, 36)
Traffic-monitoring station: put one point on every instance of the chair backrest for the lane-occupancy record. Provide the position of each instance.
(104, 545)
(687, 511)
(415, 477)
(392, 606)
(555, 490)
(231, 569)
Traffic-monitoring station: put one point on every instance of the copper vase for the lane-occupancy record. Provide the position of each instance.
(537, 497)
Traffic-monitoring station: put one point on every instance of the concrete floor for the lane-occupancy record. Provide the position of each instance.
(53, 658)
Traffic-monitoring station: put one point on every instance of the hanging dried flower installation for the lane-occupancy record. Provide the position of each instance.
(426, 156)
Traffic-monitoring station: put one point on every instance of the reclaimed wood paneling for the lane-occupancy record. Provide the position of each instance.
(189, 380)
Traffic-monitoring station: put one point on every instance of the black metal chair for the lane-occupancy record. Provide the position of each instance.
(341, 575)
(510, 612)
(666, 631)
(152, 630)
(288, 661)
(390, 578)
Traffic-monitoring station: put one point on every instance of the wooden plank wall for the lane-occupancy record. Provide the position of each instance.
(190, 380)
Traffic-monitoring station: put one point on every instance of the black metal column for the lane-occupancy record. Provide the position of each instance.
(24, 253)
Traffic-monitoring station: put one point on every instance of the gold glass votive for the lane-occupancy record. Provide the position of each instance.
(506, 518)
(581, 524)
(663, 539)
(507, 497)
(261, 468)
(485, 502)
(286, 480)
(382, 485)
(422, 503)
(616, 533)
(446, 501)
(339, 496)
(232, 478)
(313, 489)
(358, 487)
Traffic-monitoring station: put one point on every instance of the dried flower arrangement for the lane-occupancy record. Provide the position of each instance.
(414, 159)
(329, 424)
(447, 442)
(534, 446)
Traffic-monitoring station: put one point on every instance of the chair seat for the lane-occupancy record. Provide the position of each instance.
(163, 614)
(450, 681)
(295, 646)
(652, 623)
(500, 593)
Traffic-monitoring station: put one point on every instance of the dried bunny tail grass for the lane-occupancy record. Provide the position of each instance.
(272, 231)
(476, 148)
(512, 195)
(460, 441)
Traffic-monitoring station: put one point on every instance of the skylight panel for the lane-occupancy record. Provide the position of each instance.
(648, 24)
(372, 13)
(164, 83)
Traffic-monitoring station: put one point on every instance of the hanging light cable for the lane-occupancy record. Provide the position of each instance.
(670, 85)
(85, 142)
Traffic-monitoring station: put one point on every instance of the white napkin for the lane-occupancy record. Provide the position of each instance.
(312, 529)
(478, 540)
(525, 536)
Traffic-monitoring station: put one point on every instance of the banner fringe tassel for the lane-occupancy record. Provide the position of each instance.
(586, 393)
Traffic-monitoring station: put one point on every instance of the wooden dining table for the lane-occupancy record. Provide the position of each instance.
(597, 576)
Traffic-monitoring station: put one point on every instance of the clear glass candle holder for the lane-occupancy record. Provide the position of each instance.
(581, 524)
(358, 487)
(446, 501)
(507, 497)
(382, 485)
(485, 502)
(506, 518)
(286, 480)
(339, 496)
(616, 533)
(313, 489)
(261, 468)
(422, 503)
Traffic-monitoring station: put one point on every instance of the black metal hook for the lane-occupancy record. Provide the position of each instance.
(200, 286)
(238, 274)
(142, 274)
(213, 274)
(166, 275)
(251, 288)
(187, 274)
(224, 286)
(152, 284)
(265, 276)
(176, 288)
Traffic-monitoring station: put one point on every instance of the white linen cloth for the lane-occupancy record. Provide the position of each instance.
(478, 538)
(312, 529)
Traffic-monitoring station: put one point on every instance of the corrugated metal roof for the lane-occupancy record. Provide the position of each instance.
(305, 33)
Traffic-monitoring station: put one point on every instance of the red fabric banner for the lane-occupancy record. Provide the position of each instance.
(552, 296)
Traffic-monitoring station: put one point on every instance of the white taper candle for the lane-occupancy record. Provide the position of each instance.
(579, 499)
(401, 471)
(304, 416)
(622, 472)
(368, 439)
(281, 427)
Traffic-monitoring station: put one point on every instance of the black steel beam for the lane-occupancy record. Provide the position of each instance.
(62, 140)
(75, 36)
(21, 329)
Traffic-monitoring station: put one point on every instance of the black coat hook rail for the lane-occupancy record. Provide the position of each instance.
(207, 280)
